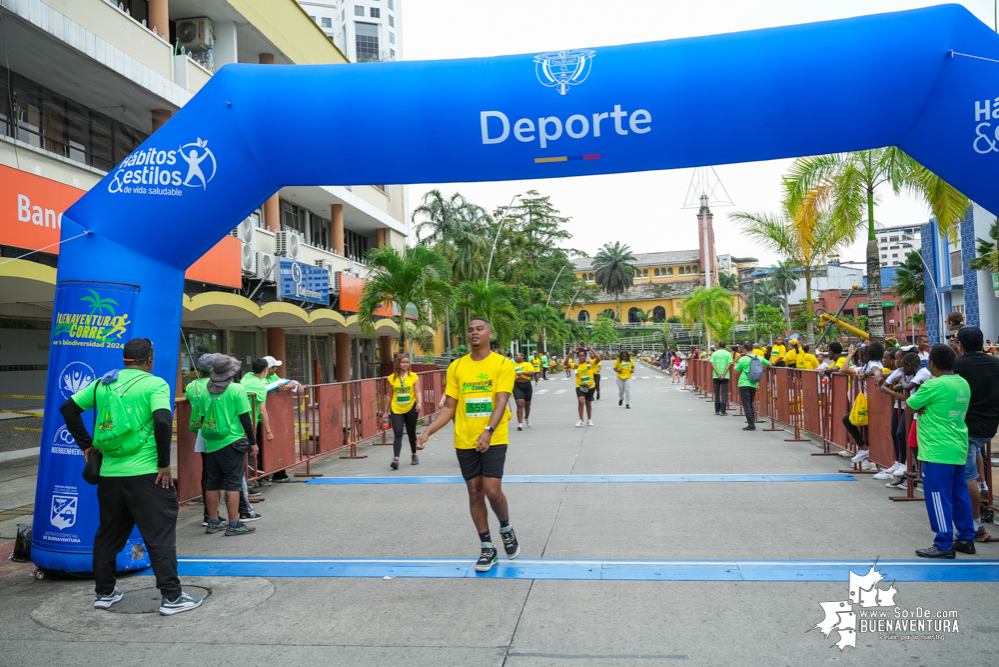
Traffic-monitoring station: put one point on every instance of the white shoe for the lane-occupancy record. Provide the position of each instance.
(527, 422)
(899, 472)
(520, 427)
(861, 455)
(884, 474)
(589, 422)
(580, 423)
(983, 487)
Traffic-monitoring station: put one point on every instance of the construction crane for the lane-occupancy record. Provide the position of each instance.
(826, 317)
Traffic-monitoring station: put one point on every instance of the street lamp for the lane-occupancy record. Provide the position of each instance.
(496, 240)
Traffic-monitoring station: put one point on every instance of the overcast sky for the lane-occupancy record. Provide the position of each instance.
(644, 209)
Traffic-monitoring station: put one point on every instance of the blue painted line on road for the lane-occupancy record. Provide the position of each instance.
(592, 479)
(607, 570)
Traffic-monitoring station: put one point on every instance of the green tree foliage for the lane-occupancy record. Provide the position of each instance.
(417, 276)
(784, 279)
(909, 280)
(538, 319)
(614, 271)
(706, 304)
(987, 259)
(728, 281)
(603, 332)
(769, 322)
(493, 303)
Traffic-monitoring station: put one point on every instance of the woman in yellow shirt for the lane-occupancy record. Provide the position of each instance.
(585, 382)
(403, 399)
(523, 390)
(624, 367)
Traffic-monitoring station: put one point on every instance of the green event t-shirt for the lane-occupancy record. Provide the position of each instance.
(742, 367)
(720, 360)
(231, 403)
(943, 435)
(194, 389)
(255, 387)
(143, 394)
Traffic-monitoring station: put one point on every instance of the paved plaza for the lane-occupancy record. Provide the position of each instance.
(695, 571)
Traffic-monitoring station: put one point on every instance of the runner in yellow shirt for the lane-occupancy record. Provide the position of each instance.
(585, 383)
(596, 373)
(777, 352)
(625, 368)
(478, 388)
(403, 401)
(523, 390)
(807, 360)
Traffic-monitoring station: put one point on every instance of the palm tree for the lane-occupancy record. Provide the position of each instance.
(728, 281)
(909, 280)
(454, 228)
(614, 272)
(442, 217)
(417, 276)
(806, 251)
(845, 185)
(539, 319)
(493, 303)
(721, 325)
(763, 293)
(987, 253)
(705, 304)
(643, 315)
(784, 279)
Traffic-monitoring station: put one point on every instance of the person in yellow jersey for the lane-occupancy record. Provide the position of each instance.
(625, 368)
(791, 356)
(596, 374)
(403, 402)
(523, 390)
(479, 385)
(585, 382)
(806, 360)
(777, 353)
(536, 363)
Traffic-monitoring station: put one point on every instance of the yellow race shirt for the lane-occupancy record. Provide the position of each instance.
(403, 392)
(758, 352)
(777, 353)
(474, 385)
(624, 369)
(808, 361)
(584, 375)
(595, 365)
(524, 367)
(791, 358)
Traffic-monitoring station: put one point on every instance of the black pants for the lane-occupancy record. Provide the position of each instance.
(748, 396)
(124, 503)
(721, 395)
(544, 372)
(407, 419)
(898, 435)
(855, 431)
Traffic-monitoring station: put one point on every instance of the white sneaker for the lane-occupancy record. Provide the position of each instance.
(899, 472)
(580, 423)
(589, 422)
(520, 427)
(527, 422)
(884, 474)
(983, 487)
(861, 455)
(896, 466)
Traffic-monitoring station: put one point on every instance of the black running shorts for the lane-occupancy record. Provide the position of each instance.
(225, 470)
(586, 393)
(485, 464)
(523, 391)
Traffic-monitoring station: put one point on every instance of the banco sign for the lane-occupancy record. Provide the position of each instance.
(151, 171)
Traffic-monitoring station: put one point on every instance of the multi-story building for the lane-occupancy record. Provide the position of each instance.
(89, 81)
(894, 243)
(365, 30)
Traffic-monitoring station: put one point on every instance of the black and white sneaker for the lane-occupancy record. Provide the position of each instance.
(510, 544)
(248, 517)
(184, 602)
(487, 559)
(105, 601)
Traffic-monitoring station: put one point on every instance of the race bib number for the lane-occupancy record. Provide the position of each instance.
(626, 365)
(403, 399)
(520, 369)
(585, 379)
(478, 407)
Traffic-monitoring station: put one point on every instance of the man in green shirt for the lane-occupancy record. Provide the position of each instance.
(192, 391)
(943, 450)
(134, 426)
(747, 388)
(720, 360)
(256, 388)
(227, 429)
(544, 366)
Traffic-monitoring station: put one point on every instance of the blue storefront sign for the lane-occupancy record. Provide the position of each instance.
(297, 280)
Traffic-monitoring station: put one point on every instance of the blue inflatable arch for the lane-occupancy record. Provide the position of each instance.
(890, 79)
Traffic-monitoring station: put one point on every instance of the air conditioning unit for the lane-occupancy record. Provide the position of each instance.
(249, 260)
(267, 267)
(245, 231)
(196, 33)
(323, 264)
(289, 244)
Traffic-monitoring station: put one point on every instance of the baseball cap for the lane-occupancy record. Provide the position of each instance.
(272, 362)
(970, 337)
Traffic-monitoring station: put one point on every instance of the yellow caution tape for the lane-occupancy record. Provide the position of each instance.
(18, 412)
(19, 396)
(21, 428)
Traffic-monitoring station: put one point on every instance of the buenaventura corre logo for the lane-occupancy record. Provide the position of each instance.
(871, 610)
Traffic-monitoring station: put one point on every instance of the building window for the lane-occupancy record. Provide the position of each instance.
(376, 13)
(358, 10)
(583, 316)
(294, 218)
(633, 315)
(956, 268)
(366, 41)
(656, 273)
(54, 123)
(658, 314)
(355, 246)
(591, 277)
(893, 238)
(669, 271)
(392, 54)
(391, 5)
(894, 254)
(884, 256)
(313, 19)
(645, 273)
(327, 22)
(391, 20)
(391, 38)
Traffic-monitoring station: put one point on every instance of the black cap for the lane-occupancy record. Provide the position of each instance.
(138, 350)
(971, 337)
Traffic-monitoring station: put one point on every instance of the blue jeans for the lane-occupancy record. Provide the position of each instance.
(976, 448)
(947, 501)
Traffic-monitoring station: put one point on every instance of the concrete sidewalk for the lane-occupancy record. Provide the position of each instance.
(488, 621)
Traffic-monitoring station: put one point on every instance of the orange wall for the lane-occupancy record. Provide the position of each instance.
(31, 209)
(351, 289)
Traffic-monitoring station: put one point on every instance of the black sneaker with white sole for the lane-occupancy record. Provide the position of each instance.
(247, 517)
(510, 544)
(487, 559)
(105, 601)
